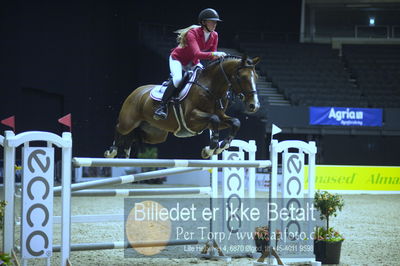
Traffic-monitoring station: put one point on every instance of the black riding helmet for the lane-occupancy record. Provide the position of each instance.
(208, 14)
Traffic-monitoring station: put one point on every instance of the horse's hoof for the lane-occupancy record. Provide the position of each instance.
(110, 154)
(218, 151)
(205, 154)
(223, 145)
(127, 153)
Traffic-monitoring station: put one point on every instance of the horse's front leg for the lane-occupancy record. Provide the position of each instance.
(208, 151)
(213, 123)
(234, 125)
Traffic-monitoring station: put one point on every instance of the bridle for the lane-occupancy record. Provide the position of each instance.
(231, 94)
(230, 90)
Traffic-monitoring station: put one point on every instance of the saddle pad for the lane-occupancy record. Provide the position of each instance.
(158, 91)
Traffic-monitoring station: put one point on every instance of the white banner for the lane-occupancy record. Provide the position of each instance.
(37, 199)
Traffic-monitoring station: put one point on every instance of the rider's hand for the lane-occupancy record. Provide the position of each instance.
(218, 54)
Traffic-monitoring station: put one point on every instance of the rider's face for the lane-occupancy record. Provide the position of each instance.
(210, 24)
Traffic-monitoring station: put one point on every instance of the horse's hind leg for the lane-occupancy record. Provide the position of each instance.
(145, 133)
(125, 131)
(121, 147)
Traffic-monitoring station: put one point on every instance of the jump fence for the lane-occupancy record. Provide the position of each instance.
(38, 168)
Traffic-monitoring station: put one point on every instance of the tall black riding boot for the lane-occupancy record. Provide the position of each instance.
(161, 112)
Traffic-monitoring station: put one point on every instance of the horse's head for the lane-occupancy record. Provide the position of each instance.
(244, 83)
(239, 74)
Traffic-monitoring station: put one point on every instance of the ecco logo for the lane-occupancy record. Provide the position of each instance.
(37, 197)
(293, 189)
(234, 194)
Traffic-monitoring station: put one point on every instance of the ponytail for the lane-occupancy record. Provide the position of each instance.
(181, 39)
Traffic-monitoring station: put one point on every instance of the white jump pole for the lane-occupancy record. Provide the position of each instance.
(139, 192)
(125, 244)
(100, 162)
(129, 178)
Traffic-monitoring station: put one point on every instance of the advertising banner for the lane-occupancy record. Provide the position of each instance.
(341, 116)
(350, 177)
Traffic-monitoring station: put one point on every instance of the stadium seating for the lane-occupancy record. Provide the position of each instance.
(307, 74)
(376, 69)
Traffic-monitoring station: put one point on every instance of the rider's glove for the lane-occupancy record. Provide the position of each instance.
(218, 54)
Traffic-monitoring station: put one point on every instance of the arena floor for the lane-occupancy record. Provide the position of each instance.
(370, 224)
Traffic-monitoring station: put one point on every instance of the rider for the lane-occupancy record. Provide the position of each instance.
(195, 43)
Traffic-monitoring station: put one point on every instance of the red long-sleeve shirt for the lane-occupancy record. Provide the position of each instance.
(196, 47)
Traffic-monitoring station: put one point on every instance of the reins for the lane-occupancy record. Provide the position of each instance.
(230, 93)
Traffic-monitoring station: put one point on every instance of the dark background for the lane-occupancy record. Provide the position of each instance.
(85, 57)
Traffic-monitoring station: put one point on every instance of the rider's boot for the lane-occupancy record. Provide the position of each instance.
(161, 112)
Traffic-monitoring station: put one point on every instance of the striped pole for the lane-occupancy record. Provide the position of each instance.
(139, 192)
(129, 178)
(93, 218)
(126, 244)
(99, 162)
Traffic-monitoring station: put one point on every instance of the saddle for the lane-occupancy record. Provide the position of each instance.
(181, 92)
(183, 89)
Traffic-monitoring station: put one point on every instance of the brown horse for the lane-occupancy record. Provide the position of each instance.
(203, 108)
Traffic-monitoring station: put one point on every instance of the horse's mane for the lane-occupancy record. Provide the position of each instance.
(227, 57)
(218, 60)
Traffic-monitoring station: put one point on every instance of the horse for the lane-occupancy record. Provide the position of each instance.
(203, 108)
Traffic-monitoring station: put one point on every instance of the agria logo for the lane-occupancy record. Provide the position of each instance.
(340, 115)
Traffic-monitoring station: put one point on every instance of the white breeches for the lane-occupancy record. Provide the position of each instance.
(177, 69)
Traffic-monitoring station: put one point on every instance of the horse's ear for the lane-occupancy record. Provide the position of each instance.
(244, 59)
(256, 60)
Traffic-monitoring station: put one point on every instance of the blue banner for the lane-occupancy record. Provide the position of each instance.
(342, 116)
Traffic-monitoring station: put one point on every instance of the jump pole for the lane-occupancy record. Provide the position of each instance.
(101, 162)
(125, 244)
(129, 178)
(139, 192)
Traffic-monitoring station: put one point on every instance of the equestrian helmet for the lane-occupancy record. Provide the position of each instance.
(208, 14)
